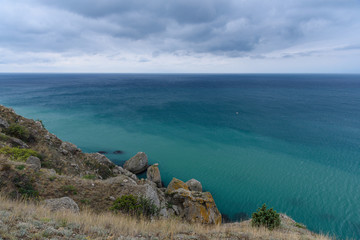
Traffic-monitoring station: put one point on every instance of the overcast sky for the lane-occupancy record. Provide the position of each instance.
(180, 36)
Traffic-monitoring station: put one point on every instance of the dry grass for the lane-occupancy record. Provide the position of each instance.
(88, 225)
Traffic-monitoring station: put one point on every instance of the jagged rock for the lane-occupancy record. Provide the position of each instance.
(67, 148)
(34, 163)
(15, 142)
(137, 164)
(4, 123)
(153, 174)
(119, 170)
(102, 159)
(194, 185)
(61, 204)
(174, 185)
(196, 206)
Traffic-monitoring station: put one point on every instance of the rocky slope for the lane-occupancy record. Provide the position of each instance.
(36, 165)
(60, 169)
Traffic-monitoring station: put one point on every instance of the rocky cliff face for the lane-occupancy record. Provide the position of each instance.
(60, 169)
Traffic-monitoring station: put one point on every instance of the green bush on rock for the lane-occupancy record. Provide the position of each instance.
(18, 154)
(268, 218)
(18, 131)
(135, 206)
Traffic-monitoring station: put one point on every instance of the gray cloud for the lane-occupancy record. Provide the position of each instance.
(229, 28)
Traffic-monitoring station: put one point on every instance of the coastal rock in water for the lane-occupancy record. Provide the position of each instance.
(194, 185)
(4, 123)
(137, 164)
(67, 148)
(34, 163)
(174, 185)
(61, 204)
(153, 174)
(118, 152)
(196, 206)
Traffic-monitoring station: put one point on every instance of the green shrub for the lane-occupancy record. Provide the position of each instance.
(25, 187)
(265, 217)
(70, 189)
(20, 167)
(89, 176)
(135, 206)
(18, 131)
(18, 154)
(3, 137)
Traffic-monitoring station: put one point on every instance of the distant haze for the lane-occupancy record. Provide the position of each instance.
(180, 36)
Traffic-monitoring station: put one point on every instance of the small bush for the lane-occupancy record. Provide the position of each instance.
(25, 187)
(135, 206)
(20, 167)
(266, 217)
(18, 131)
(69, 189)
(3, 137)
(18, 154)
(89, 176)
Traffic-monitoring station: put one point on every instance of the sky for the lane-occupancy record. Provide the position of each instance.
(180, 36)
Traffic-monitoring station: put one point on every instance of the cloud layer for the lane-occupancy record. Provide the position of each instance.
(180, 35)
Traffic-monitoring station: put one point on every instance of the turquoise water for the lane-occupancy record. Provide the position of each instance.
(291, 141)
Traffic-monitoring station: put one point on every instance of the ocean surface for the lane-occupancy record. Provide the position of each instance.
(290, 141)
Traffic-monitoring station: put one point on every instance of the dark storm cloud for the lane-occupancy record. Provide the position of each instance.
(231, 28)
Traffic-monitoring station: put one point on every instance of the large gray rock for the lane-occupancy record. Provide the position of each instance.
(67, 148)
(15, 142)
(137, 164)
(3, 123)
(61, 204)
(102, 159)
(153, 174)
(194, 185)
(34, 163)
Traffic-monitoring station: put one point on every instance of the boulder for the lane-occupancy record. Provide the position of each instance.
(194, 185)
(153, 174)
(3, 123)
(195, 206)
(174, 185)
(102, 159)
(15, 142)
(67, 148)
(137, 164)
(61, 204)
(34, 162)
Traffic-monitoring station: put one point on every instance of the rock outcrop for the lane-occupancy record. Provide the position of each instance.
(174, 185)
(67, 148)
(4, 123)
(61, 204)
(194, 185)
(91, 179)
(137, 164)
(34, 163)
(153, 174)
(193, 206)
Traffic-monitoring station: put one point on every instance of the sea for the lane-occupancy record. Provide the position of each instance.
(291, 141)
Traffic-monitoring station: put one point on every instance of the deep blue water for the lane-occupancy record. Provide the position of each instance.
(291, 141)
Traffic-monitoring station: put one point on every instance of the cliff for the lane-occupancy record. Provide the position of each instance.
(36, 165)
